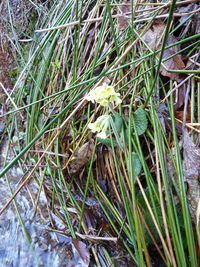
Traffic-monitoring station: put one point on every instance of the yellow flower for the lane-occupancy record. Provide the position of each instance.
(100, 126)
(104, 95)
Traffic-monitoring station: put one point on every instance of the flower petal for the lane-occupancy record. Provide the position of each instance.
(104, 95)
(100, 125)
(102, 135)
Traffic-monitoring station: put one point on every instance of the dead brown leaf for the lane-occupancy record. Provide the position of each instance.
(186, 9)
(179, 114)
(82, 156)
(153, 37)
(179, 96)
(196, 23)
(81, 254)
(174, 63)
(191, 167)
(122, 20)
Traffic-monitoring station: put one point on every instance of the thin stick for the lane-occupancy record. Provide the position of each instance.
(156, 4)
(162, 207)
(114, 16)
(154, 220)
(43, 155)
(10, 98)
(176, 87)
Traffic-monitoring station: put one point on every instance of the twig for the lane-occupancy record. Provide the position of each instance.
(176, 87)
(43, 155)
(114, 16)
(154, 220)
(10, 98)
(155, 4)
(162, 207)
(92, 237)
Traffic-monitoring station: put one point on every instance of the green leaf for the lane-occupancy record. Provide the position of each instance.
(106, 141)
(140, 121)
(117, 137)
(136, 165)
(118, 122)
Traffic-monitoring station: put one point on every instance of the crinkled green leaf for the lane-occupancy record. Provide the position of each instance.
(106, 141)
(116, 134)
(136, 164)
(126, 135)
(118, 122)
(140, 120)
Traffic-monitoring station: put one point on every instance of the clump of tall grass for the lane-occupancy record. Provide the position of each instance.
(78, 48)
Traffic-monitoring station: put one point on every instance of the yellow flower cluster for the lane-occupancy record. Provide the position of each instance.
(100, 126)
(104, 95)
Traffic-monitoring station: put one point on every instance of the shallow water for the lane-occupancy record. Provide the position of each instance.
(47, 248)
